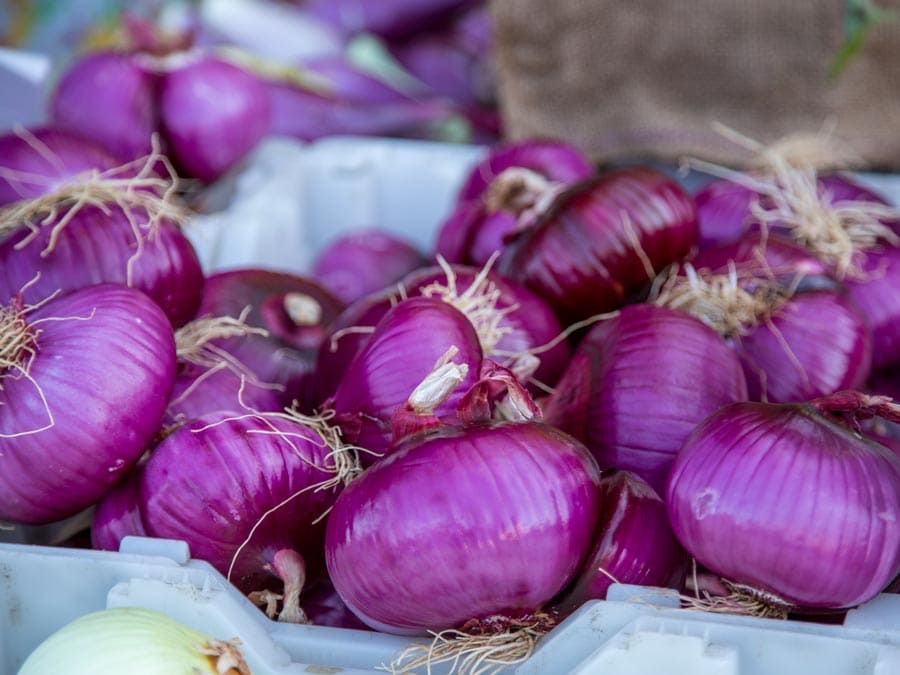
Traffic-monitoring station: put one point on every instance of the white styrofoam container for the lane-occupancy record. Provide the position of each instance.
(636, 631)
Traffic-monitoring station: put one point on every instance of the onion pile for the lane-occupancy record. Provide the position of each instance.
(474, 442)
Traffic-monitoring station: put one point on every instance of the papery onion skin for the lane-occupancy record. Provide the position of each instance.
(463, 524)
(393, 362)
(96, 247)
(363, 262)
(131, 639)
(287, 355)
(213, 479)
(589, 251)
(109, 97)
(633, 544)
(213, 113)
(777, 497)
(106, 368)
(40, 160)
(653, 374)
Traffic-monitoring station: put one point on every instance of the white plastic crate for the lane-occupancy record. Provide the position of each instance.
(637, 631)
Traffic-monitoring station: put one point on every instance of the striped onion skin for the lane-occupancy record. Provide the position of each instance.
(94, 397)
(650, 375)
(603, 240)
(780, 498)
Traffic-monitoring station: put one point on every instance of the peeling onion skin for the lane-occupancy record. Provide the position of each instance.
(463, 524)
(878, 299)
(779, 498)
(106, 380)
(584, 258)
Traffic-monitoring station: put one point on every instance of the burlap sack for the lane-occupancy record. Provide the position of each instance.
(646, 79)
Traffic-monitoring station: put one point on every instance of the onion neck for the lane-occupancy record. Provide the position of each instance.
(294, 317)
(524, 193)
(732, 306)
(850, 408)
(18, 340)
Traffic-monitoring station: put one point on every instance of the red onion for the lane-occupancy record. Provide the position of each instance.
(394, 362)
(791, 501)
(86, 377)
(515, 326)
(213, 113)
(210, 379)
(247, 501)
(633, 543)
(473, 232)
(109, 97)
(296, 312)
(338, 77)
(724, 206)
(324, 607)
(885, 383)
(363, 262)
(455, 60)
(118, 515)
(123, 246)
(876, 296)
(389, 19)
(557, 161)
(34, 162)
(590, 248)
(798, 335)
(463, 524)
(640, 383)
(308, 114)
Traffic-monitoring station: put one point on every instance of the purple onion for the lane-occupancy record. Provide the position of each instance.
(472, 233)
(213, 113)
(633, 398)
(393, 362)
(118, 515)
(363, 262)
(199, 391)
(324, 607)
(37, 161)
(787, 499)
(723, 206)
(239, 468)
(885, 382)
(633, 543)
(110, 98)
(455, 60)
(500, 516)
(526, 322)
(601, 241)
(97, 247)
(557, 161)
(80, 399)
(877, 298)
(340, 79)
(389, 18)
(806, 337)
(295, 310)
(817, 343)
(308, 115)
